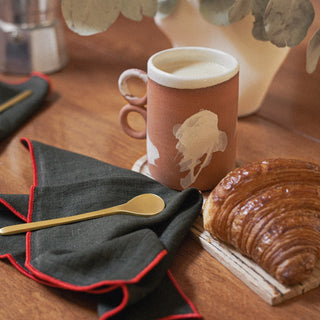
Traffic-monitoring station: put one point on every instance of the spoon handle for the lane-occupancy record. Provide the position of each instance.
(31, 226)
(18, 98)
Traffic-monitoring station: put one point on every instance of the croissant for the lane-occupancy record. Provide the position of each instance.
(270, 212)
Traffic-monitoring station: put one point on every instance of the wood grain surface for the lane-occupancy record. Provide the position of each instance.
(81, 115)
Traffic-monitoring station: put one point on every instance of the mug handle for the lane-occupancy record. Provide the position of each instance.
(135, 104)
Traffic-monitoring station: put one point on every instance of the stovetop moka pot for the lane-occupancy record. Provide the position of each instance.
(31, 36)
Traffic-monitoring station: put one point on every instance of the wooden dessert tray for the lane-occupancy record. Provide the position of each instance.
(263, 284)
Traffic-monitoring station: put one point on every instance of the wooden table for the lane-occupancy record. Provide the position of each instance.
(81, 115)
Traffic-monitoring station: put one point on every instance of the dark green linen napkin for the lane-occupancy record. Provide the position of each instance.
(19, 113)
(123, 260)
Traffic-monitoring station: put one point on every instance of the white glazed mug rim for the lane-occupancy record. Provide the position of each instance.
(201, 53)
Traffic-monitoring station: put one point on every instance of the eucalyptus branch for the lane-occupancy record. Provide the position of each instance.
(282, 22)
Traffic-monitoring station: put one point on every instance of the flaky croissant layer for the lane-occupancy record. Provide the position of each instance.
(270, 212)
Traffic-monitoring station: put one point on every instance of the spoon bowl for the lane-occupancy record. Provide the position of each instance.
(144, 204)
(147, 204)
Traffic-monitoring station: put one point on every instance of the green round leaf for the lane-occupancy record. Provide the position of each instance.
(258, 10)
(239, 10)
(224, 12)
(216, 11)
(313, 52)
(135, 9)
(165, 8)
(287, 21)
(87, 17)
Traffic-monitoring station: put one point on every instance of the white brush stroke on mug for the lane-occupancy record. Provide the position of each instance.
(198, 135)
(152, 152)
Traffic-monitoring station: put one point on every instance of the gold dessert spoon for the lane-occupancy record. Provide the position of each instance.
(147, 204)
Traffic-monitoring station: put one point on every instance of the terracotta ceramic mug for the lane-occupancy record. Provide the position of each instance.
(191, 118)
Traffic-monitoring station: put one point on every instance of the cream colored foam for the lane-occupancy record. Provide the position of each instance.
(195, 69)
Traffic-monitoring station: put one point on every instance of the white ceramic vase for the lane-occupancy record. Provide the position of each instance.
(259, 61)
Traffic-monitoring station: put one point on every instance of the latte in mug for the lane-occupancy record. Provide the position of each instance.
(195, 69)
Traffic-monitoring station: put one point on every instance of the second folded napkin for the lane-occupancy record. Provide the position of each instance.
(12, 118)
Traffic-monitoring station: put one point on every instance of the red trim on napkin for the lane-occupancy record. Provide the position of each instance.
(29, 147)
(25, 79)
(194, 315)
(120, 307)
(13, 210)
